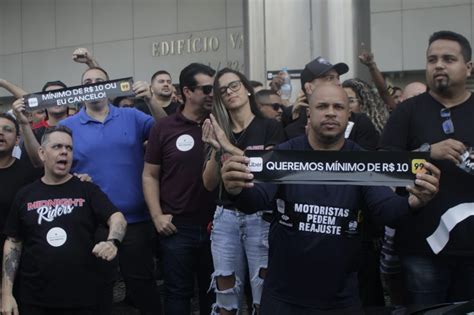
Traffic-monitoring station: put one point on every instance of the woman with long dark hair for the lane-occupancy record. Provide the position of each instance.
(362, 99)
(238, 239)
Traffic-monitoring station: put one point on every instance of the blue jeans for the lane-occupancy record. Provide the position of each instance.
(185, 254)
(238, 240)
(434, 280)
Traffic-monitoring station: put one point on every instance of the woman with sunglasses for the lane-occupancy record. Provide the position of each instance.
(237, 239)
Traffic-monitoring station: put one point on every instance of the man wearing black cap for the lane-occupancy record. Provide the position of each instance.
(316, 72)
(320, 70)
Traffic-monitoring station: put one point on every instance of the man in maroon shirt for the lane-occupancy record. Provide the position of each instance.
(180, 206)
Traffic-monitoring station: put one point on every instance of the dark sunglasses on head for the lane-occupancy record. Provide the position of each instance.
(447, 124)
(206, 89)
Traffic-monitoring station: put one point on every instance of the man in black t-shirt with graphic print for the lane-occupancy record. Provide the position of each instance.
(436, 248)
(50, 238)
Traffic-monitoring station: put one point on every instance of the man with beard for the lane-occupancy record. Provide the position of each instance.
(313, 268)
(435, 247)
(108, 145)
(180, 206)
(269, 103)
(162, 91)
(14, 173)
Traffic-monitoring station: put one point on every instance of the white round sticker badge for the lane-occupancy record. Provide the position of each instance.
(56, 237)
(184, 143)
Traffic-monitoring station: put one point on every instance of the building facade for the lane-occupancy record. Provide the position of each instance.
(138, 37)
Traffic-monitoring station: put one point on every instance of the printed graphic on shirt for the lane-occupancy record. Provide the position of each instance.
(56, 237)
(284, 219)
(50, 209)
(255, 147)
(320, 219)
(184, 143)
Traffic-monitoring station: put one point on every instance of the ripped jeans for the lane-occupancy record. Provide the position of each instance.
(238, 239)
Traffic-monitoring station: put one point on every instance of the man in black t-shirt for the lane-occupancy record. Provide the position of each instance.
(162, 91)
(313, 265)
(269, 103)
(318, 71)
(14, 173)
(50, 238)
(436, 247)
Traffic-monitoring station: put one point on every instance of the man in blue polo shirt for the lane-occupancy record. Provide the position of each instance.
(108, 145)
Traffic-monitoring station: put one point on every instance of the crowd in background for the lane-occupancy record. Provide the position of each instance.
(171, 159)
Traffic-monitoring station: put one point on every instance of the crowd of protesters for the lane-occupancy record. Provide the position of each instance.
(161, 180)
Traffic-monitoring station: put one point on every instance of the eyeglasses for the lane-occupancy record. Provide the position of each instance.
(447, 124)
(206, 89)
(275, 106)
(234, 86)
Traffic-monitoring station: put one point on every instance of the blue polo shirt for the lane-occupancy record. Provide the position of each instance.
(112, 154)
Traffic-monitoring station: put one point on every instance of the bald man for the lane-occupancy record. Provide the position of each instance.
(306, 275)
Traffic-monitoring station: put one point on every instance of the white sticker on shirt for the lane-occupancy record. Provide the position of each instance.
(184, 143)
(452, 217)
(56, 237)
(348, 130)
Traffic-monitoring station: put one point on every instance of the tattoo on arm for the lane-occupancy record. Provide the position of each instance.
(11, 259)
(117, 226)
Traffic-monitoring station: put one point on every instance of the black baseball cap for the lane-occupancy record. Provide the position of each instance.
(318, 67)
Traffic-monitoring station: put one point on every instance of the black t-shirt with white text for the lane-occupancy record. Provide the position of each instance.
(56, 224)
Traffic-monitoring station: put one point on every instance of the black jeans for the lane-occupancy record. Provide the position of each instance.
(271, 306)
(27, 309)
(135, 258)
(187, 254)
(434, 280)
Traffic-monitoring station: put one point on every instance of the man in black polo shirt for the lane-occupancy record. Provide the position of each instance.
(180, 206)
